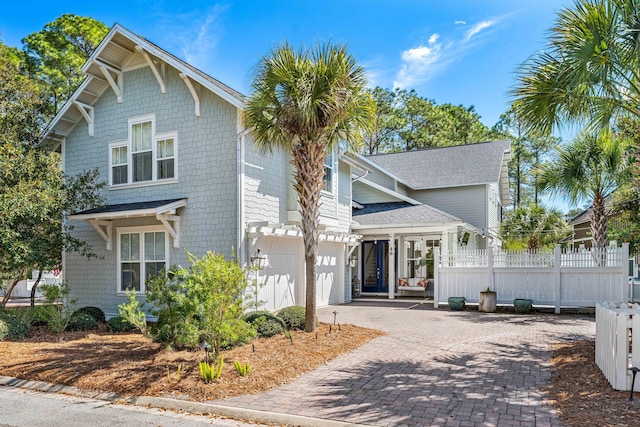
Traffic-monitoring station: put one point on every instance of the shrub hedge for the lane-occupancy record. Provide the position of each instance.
(12, 328)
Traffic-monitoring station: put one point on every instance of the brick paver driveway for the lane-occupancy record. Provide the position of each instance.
(434, 367)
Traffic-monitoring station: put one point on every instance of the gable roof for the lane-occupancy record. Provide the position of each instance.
(399, 214)
(585, 215)
(120, 51)
(456, 166)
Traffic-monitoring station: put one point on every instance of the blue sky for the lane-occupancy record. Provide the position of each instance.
(457, 51)
(461, 52)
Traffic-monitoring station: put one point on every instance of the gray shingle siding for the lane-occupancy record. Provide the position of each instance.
(206, 168)
(467, 203)
(344, 197)
(365, 194)
(266, 184)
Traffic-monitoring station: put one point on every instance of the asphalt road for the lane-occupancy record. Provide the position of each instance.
(20, 408)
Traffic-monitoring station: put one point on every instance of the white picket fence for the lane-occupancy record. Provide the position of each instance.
(556, 278)
(618, 343)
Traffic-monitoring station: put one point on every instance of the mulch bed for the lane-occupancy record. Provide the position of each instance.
(132, 365)
(581, 393)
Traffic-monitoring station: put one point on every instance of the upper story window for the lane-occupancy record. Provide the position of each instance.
(146, 156)
(328, 172)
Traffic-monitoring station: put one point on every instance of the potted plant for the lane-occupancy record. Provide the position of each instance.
(488, 301)
(456, 303)
(522, 305)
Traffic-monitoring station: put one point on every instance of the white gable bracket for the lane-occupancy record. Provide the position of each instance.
(172, 225)
(116, 85)
(193, 91)
(159, 74)
(106, 232)
(87, 113)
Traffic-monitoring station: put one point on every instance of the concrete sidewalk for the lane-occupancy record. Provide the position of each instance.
(434, 367)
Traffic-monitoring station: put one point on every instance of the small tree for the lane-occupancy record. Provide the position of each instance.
(589, 168)
(35, 195)
(532, 227)
(203, 303)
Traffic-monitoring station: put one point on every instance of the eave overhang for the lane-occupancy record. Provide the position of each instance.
(165, 211)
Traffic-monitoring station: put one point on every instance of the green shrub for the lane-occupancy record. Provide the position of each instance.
(29, 315)
(118, 324)
(269, 328)
(257, 317)
(201, 303)
(94, 312)
(12, 328)
(132, 313)
(81, 321)
(293, 317)
(57, 310)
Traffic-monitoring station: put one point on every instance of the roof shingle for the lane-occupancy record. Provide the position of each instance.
(446, 166)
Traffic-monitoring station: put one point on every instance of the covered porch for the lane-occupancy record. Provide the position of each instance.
(396, 256)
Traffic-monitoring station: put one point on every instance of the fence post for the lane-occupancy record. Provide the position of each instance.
(635, 340)
(622, 351)
(557, 256)
(491, 277)
(436, 275)
(625, 273)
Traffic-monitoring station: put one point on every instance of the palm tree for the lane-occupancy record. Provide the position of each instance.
(590, 168)
(589, 72)
(305, 102)
(534, 226)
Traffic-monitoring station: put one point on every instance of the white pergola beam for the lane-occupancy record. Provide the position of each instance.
(158, 75)
(193, 91)
(87, 113)
(116, 85)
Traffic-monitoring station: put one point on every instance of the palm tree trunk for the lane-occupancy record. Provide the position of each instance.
(599, 222)
(599, 229)
(309, 159)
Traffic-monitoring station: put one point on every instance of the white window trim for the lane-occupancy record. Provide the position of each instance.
(332, 191)
(112, 145)
(140, 230)
(154, 155)
(161, 136)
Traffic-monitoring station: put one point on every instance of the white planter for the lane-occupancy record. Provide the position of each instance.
(487, 302)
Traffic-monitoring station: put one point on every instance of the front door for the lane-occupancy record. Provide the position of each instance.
(376, 266)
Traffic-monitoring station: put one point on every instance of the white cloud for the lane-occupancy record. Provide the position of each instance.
(195, 34)
(421, 63)
(477, 28)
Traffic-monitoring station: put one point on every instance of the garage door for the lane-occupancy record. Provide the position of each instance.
(278, 278)
(328, 286)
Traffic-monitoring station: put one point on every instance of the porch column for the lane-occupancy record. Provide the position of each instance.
(392, 267)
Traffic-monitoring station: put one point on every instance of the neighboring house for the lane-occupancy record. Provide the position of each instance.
(581, 236)
(184, 175)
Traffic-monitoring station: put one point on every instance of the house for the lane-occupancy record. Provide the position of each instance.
(183, 174)
(441, 198)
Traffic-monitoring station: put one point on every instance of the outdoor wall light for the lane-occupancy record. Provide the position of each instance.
(353, 260)
(257, 260)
